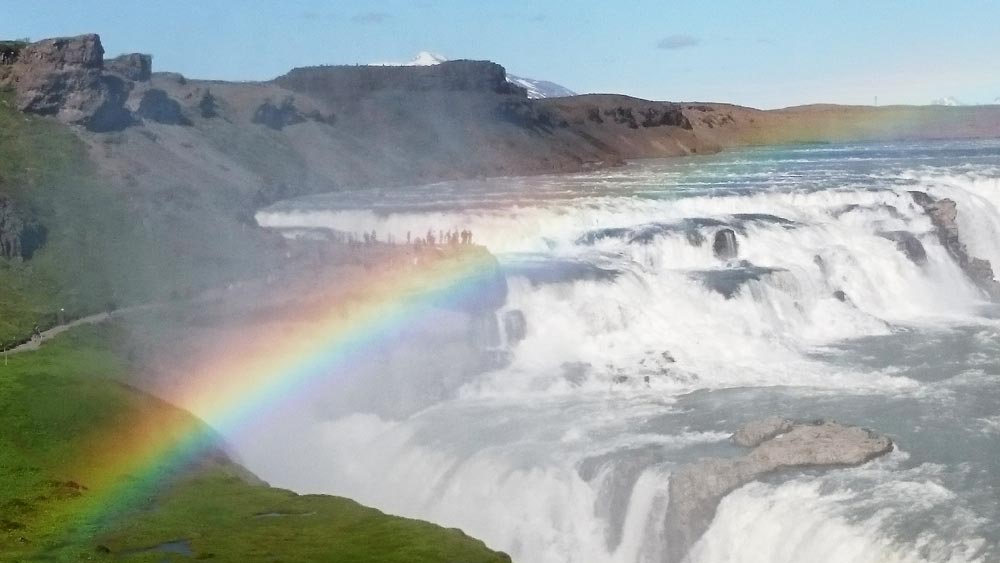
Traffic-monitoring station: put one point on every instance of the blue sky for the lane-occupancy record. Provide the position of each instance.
(761, 53)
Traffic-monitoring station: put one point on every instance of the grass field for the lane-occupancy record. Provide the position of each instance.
(54, 403)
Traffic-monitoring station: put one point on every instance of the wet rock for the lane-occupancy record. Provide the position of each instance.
(729, 281)
(157, 106)
(724, 246)
(908, 244)
(755, 432)
(839, 295)
(515, 326)
(64, 77)
(137, 67)
(696, 489)
(943, 213)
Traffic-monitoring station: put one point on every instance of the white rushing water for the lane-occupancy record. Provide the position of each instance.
(645, 348)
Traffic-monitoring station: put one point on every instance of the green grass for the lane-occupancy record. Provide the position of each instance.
(54, 402)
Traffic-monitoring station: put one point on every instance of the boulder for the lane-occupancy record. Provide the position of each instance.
(696, 489)
(64, 77)
(133, 66)
(725, 246)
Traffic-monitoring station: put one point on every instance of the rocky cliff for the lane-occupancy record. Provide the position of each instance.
(326, 128)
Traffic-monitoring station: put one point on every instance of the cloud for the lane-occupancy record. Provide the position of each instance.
(371, 17)
(677, 41)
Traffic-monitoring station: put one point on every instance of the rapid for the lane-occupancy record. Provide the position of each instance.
(667, 302)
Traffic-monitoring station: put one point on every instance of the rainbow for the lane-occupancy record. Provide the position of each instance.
(131, 462)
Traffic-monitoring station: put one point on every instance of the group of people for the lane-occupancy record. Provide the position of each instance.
(453, 237)
(450, 238)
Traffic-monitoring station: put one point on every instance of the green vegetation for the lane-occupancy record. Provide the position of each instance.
(106, 243)
(55, 401)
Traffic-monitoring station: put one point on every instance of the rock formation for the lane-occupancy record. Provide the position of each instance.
(348, 83)
(65, 77)
(725, 246)
(778, 444)
(756, 432)
(944, 215)
(133, 66)
(908, 244)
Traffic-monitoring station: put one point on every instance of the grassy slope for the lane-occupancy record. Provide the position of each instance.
(50, 403)
(106, 244)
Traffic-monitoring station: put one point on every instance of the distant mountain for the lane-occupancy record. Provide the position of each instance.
(541, 88)
(946, 101)
(536, 88)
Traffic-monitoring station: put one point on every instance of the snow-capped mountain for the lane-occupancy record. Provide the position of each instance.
(536, 88)
(946, 101)
(541, 88)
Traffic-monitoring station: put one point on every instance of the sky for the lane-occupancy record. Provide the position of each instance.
(764, 53)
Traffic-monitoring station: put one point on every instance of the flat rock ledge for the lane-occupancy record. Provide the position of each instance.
(778, 444)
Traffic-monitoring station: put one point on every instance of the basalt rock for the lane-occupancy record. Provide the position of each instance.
(347, 83)
(908, 244)
(696, 489)
(133, 66)
(725, 246)
(65, 77)
(943, 213)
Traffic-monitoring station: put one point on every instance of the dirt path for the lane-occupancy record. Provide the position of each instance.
(46, 335)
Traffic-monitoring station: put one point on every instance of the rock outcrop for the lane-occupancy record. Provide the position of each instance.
(724, 246)
(65, 77)
(349, 83)
(133, 66)
(943, 214)
(20, 237)
(908, 244)
(696, 489)
(756, 432)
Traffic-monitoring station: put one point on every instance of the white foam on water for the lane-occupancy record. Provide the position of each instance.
(504, 460)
